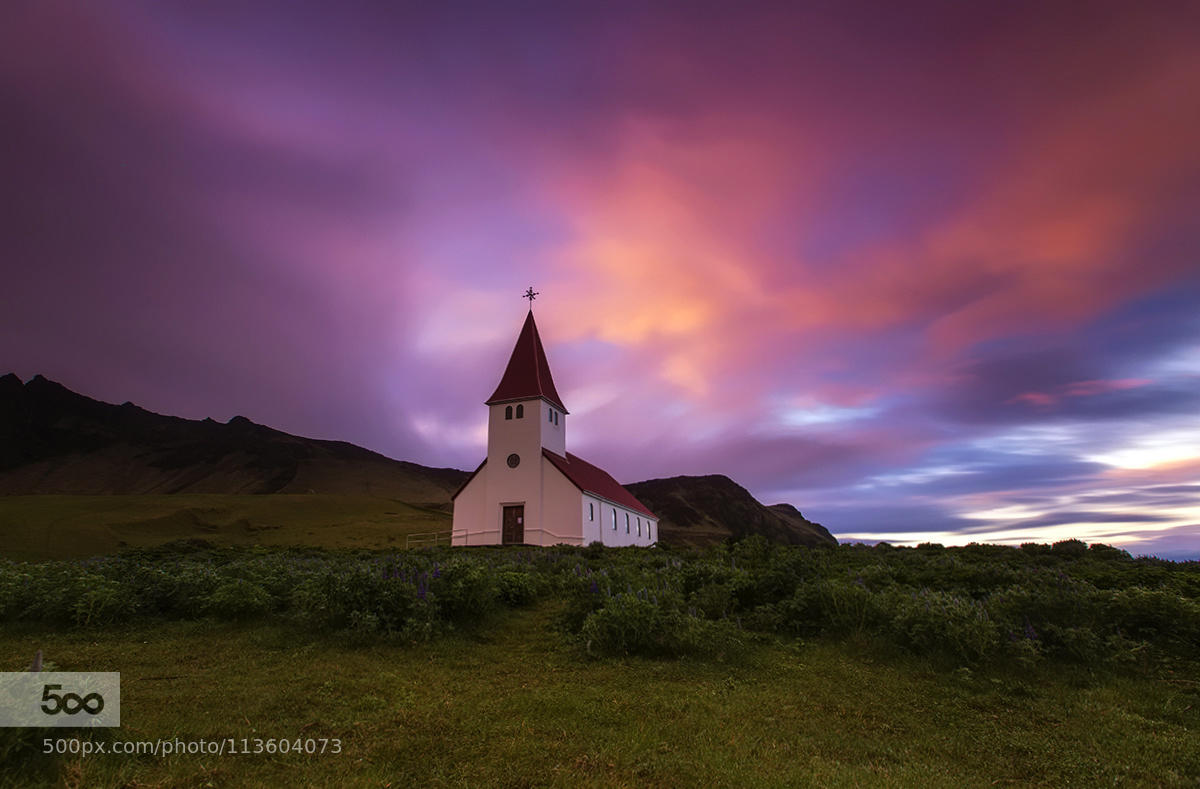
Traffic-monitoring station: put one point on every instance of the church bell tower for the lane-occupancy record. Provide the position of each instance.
(525, 416)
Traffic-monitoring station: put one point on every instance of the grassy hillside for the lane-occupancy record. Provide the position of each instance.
(36, 528)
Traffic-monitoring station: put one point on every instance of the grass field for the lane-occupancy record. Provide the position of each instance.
(36, 528)
(513, 705)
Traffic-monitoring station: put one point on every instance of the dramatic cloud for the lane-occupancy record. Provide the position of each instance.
(930, 272)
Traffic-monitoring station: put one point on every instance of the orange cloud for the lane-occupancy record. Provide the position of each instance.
(666, 247)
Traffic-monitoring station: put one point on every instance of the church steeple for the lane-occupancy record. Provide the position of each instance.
(527, 375)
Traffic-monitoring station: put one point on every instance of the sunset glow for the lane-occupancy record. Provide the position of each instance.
(928, 274)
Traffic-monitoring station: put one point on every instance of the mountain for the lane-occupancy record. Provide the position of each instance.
(55, 441)
(700, 510)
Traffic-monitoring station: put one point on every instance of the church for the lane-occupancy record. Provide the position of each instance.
(529, 490)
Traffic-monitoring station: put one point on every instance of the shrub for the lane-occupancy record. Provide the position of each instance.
(517, 589)
(937, 622)
(629, 625)
(1070, 549)
(465, 591)
(103, 601)
(238, 598)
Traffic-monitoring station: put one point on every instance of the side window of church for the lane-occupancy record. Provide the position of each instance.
(591, 511)
(639, 520)
(520, 412)
(508, 412)
(549, 414)
(627, 523)
(555, 417)
(614, 520)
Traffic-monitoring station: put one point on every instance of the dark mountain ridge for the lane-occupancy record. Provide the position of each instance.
(55, 441)
(698, 510)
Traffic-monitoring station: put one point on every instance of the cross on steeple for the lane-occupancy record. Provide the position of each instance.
(530, 294)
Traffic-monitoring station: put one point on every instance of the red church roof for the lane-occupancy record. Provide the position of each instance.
(595, 480)
(528, 372)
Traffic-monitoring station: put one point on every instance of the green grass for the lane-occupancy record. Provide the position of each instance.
(514, 705)
(37, 528)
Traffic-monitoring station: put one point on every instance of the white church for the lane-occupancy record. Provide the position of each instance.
(529, 489)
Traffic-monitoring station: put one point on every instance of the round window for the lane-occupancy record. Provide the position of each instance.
(513, 460)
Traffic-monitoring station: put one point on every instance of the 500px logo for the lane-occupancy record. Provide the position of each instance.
(60, 698)
(71, 703)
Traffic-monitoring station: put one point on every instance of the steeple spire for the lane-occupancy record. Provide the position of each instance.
(528, 373)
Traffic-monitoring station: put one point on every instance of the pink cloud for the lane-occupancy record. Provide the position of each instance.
(1087, 388)
(1038, 399)
(1077, 389)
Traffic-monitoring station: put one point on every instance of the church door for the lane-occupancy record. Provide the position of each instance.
(513, 530)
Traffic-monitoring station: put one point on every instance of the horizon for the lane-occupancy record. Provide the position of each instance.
(928, 274)
(901, 544)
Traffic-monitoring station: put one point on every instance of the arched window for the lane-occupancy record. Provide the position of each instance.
(627, 523)
(639, 520)
(556, 418)
(550, 415)
(508, 412)
(520, 411)
(614, 520)
(649, 531)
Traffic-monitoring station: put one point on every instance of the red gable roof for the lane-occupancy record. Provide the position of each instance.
(594, 480)
(528, 372)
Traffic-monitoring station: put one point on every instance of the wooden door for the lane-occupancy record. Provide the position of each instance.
(513, 529)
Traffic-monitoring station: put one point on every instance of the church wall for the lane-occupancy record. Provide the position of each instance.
(470, 515)
(619, 537)
(560, 513)
(592, 518)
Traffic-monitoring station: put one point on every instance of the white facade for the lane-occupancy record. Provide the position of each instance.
(611, 524)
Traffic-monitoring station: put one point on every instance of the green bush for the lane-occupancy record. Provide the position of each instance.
(465, 591)
(941, 623)
(1066, 601)
(103, 601)
(518, 589)
(629, 625)
(238, 598)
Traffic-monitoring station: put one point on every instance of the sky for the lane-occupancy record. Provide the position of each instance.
(929, 271)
